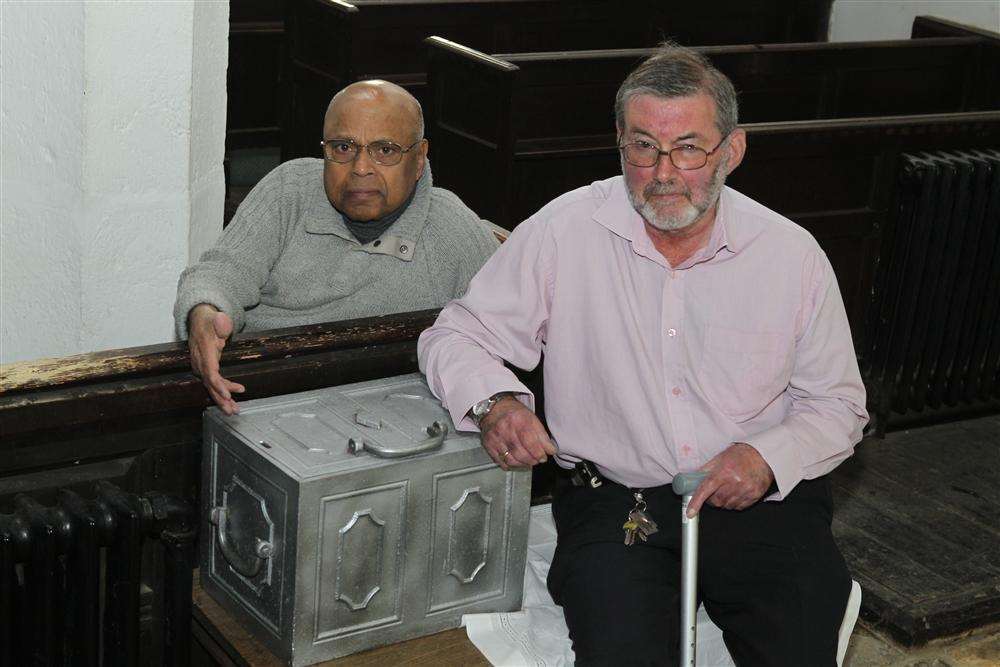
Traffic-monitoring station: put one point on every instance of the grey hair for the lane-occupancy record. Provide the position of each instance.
(679, 71)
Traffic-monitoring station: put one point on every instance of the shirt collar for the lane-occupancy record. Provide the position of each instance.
(620, 218)
(730, 231)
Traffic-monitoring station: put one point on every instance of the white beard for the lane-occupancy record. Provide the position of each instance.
(690, 212)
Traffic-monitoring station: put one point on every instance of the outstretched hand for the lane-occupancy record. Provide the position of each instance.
(514, 437)
(737, 478)
(208, 331)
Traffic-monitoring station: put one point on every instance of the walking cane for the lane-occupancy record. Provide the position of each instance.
(685, 485)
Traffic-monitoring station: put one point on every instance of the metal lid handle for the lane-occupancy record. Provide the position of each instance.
(436, 432)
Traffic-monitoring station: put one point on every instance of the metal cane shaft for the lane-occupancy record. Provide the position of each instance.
(689, 584)
(685, 484)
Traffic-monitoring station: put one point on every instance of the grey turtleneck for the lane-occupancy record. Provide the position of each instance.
(368, 231)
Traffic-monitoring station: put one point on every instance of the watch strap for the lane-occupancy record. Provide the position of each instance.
(483, 407)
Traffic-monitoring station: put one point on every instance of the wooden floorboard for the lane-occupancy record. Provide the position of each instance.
(225, 642)
(917, 516)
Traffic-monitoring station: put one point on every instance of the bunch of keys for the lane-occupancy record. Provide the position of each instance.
(638, 522)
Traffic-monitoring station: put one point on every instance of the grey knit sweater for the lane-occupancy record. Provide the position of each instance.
(287, 258)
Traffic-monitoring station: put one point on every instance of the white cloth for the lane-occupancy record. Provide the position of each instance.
(537, 635)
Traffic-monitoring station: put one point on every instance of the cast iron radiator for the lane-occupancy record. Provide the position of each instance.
(70, 578)
(934, 318)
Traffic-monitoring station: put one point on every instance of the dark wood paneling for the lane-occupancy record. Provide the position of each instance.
(559, 107)
(253, 84)
(340, 42)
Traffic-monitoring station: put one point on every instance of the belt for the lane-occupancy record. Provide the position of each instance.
(585, 473)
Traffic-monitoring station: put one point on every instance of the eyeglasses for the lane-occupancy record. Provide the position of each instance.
(382, 152)
(687, 157)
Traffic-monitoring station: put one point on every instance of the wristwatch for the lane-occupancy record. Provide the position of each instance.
(483, 407)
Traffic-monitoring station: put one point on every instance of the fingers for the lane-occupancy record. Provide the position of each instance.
(220, 390)
(208, 333)
(516, 438)
(533, 444)
(509, 452)
(705, 490)
(738, 478)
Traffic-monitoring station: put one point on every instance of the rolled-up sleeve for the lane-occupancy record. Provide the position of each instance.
(827, 411)
(502, 317)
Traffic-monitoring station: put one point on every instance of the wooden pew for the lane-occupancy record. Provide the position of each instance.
(332, 42)
(930, 27)
(510, 116)
(834, 177)
(133, 416)
(256, 40)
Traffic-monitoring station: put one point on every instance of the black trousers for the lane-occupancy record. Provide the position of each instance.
(770, 576)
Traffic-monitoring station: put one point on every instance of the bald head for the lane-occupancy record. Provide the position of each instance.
(381, 97)
(373, 116)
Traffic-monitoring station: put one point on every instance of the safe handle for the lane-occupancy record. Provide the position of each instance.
(248, 567)
(436, 434)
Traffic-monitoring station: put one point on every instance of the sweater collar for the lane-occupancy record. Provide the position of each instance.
(399, 240)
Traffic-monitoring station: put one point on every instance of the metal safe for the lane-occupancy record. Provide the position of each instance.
(351, 517)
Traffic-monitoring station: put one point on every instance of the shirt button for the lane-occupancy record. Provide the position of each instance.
(686, 449)
(676, 391)
(403, 249)
(671, 332)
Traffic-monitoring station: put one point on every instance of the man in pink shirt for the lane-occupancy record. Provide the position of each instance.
(684, 327)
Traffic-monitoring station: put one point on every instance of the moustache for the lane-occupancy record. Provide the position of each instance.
(660, 189)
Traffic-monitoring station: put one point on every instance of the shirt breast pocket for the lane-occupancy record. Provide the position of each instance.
(742, 372)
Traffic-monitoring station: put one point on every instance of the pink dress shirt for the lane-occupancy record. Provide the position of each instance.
(651, 370)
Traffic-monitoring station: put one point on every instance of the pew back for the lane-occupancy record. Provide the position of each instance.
(834, 177)
(331, 43)
(133, 416)
(503, 113)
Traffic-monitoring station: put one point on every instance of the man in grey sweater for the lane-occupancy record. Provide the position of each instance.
(361, 233)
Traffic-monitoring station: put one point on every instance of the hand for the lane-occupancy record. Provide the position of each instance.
(512, 429)
(737, 478)
(208, 330)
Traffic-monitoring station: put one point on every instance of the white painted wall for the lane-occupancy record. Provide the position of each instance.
(41, 173)
(210, 55)
(857, 20)
(113, 139)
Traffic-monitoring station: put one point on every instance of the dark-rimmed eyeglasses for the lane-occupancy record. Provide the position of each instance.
(382, 152)
(687, 157)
